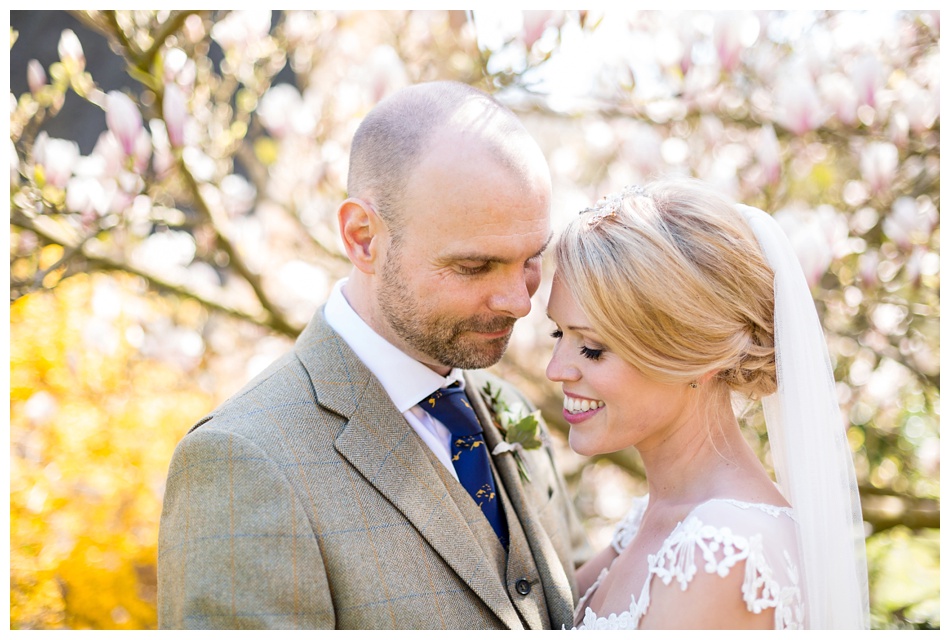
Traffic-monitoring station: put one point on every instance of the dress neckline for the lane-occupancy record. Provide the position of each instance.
(634, 609)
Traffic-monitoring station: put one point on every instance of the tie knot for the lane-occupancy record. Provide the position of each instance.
(450, 406)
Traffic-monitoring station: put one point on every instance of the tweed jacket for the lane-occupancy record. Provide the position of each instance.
(306, 501)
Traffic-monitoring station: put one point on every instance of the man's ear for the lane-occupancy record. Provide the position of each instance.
(361, 229)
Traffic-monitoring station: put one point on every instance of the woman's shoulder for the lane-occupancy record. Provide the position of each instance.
(751, 546)
(744, 517)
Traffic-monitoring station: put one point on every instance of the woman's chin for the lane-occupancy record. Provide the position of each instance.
(583, 446)
(590, 447)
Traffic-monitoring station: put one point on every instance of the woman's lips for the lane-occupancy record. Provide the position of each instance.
(578, 409)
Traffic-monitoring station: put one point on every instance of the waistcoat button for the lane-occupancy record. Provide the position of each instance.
(523, 587)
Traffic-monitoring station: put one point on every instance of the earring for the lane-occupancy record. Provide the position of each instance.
(693, 385)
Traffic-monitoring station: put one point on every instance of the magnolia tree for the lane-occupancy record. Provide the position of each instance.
(222, 160)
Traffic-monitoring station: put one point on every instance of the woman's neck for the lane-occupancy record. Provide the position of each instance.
(697, 459)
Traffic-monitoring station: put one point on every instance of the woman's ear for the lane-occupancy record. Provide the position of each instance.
(709, 375)
(361, 229)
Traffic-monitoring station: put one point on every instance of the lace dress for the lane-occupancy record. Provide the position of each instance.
(714, 537)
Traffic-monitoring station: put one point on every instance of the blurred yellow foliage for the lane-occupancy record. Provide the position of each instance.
(93, 426)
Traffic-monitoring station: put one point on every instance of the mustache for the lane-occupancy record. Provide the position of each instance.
(487, 325)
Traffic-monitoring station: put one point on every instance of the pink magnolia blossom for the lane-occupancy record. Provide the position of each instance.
(110, 153)
(879, 165)
(769, 154)
(867, 269)
(817, 236)
(867, 75)
(909, 223)
(913, 266)
(58, 157)
(278, 108)
(387, 72)
(86, 196)
(689, 36)
(162, 158)
(14, 165)
(35, 76)
(642, 148)
(799, 108)
(142, 151)
(535, 22)
(70, 51)
(898, 129)
(920, 107)
(733, 32)
(242, 29)
(839, 93)
(123, 190)
(123, 119)
(175, 113)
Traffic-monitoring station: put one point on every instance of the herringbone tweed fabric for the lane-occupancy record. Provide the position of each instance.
(306, 501)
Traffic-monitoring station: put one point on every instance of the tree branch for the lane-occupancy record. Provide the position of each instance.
(214, 219)
(107, 263)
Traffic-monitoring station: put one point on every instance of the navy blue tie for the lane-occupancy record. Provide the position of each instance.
(469, 453)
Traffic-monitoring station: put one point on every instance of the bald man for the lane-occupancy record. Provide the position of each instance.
(325, 494)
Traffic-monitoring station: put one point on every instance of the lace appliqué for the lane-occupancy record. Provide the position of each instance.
(627, 528)
(771, 509)
(718, 549)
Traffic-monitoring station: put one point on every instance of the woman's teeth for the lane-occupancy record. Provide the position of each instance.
(575, 405)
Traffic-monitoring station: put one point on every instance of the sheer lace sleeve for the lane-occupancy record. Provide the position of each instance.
(627, 528)
(721, 534)
(717, 538)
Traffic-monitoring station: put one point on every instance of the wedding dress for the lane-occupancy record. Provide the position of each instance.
(717, 536)
(807, 563)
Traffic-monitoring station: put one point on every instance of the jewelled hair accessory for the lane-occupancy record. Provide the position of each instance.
(610, 205)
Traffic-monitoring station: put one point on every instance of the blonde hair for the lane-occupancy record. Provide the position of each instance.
(672, 279)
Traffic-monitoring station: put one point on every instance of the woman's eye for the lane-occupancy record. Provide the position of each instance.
(557, 334)
(592, 354)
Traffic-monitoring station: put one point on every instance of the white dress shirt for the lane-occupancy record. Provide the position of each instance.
(406, 380)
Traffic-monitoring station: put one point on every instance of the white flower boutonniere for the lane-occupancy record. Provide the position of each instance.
(520, 429)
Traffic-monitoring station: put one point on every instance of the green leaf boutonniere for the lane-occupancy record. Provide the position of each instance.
(520, 429)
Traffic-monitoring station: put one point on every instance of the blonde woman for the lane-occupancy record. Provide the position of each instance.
(669, 301)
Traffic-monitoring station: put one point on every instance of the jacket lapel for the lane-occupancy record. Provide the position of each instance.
(383, 448)
(557, 589)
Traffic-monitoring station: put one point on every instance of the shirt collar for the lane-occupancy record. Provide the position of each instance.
(406, 380)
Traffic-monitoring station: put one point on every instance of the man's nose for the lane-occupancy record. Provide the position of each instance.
(512, 297)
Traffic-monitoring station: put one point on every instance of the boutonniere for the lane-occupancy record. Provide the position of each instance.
(520, 429)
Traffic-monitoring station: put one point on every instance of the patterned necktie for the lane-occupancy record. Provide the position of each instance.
(469, 453)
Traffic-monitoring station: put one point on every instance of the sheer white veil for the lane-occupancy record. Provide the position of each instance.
(810, 451)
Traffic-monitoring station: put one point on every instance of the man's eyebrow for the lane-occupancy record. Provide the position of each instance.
(487, 257)
(545, 246)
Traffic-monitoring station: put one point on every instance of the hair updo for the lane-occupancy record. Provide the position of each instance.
(673, 280)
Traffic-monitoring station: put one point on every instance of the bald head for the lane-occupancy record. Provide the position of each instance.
(397, 133)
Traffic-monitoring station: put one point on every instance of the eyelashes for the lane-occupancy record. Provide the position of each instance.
(587, 352)
(591, 354)
(469, 271)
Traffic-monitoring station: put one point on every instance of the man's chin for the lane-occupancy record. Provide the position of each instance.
(480, 353)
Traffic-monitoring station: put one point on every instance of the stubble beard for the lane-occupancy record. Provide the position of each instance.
(445, 340)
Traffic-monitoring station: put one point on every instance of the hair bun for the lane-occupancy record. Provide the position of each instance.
(755, 373)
